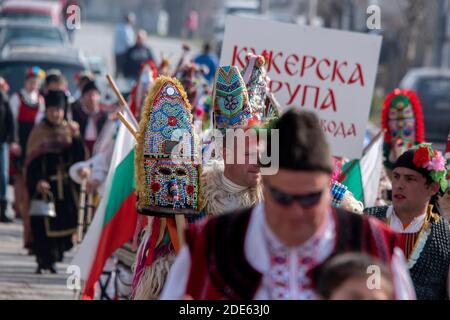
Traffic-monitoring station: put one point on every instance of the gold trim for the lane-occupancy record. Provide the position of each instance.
(56, 234)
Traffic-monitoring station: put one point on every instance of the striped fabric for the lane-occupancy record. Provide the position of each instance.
(409, 242)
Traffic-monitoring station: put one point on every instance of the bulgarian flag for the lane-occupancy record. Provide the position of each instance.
(362, 176)
(115, 219)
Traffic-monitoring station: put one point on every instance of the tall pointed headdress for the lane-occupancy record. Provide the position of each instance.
(167, 173)
(261, 100)
(402, 122)
(230, 99)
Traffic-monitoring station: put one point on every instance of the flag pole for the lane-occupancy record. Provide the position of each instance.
(127, 124)
(124, 105)
(121, 100)
(81, 211)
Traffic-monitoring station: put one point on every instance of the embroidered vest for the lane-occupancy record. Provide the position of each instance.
(27, 112)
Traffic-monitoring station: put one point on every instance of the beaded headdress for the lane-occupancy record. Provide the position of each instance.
(167, 174)
(261, 100)
(230, 99)
(402, 122)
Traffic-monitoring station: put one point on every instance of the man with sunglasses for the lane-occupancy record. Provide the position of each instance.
(274, 249)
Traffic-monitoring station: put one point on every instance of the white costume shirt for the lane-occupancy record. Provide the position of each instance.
(397, 225)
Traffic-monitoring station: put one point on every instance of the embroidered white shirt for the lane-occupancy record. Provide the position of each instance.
(286, 270)
(397, 225)
(90, 132)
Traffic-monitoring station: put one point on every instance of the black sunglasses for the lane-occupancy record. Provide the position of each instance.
(305, 201)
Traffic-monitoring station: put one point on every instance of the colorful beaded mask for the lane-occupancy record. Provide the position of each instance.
(167, 173)
(230, 98)
(402, 121)
(261, 100)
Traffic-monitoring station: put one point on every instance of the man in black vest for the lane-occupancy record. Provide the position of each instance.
(87, 111)
(419, 175)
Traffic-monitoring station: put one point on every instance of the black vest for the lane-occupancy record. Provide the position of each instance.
(430, 272)
(79, 116)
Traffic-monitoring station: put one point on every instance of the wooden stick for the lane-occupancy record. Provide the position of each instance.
(90, 207)
(181, 224)
(366, 149)
(122, 101)
(81, 210)
(173, 233)
(127, 124)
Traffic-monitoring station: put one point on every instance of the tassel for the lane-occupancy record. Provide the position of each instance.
(141, 223)
(153, 278)
(145, 254)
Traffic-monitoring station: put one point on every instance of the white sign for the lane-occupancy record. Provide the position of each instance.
(328, 71)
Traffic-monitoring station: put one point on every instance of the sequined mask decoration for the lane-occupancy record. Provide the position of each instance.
(231, 107)
(254, 76)
(168, 176)
(261, 100)
(402, 123)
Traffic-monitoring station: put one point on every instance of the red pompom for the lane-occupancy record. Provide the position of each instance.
(265, 55)
(260, 61)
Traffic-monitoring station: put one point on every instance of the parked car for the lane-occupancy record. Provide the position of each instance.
(41, 11)
(433, 88)
(15, 60)
(31, 33)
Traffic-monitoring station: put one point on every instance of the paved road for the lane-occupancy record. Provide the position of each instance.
(98, 40)
(17, 277)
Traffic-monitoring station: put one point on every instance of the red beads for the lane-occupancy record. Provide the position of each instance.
(155, 186)
(172, 121)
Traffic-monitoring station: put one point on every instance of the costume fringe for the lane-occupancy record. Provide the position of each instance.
(137, 267)
(153, 278)
(216, 196)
